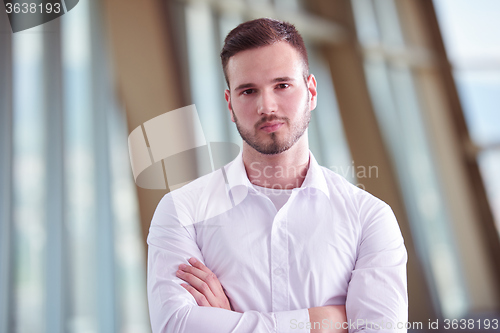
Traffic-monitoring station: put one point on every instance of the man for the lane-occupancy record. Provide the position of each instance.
(314, 254)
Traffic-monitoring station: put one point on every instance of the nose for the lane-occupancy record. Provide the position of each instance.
(267, 103)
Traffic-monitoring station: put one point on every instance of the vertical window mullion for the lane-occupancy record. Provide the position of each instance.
(105, 261)
(29, 182)
(79, 184)
(201, 40)
(56, 272)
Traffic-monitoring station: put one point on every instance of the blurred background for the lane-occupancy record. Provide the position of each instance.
(409, 110)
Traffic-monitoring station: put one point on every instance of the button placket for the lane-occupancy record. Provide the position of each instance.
(279, 262)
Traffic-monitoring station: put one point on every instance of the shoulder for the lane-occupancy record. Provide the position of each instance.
(196, 201)
(361, 202)
(377, 226)
(190, 194)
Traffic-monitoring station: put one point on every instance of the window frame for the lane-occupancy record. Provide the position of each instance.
(475, 231)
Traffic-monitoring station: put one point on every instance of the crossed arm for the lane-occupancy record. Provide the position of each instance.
(207, 291)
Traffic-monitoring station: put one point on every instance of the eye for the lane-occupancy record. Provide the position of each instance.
(248, 91)
(283, 85)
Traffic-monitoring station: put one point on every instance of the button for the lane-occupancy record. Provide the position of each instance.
(278, 271)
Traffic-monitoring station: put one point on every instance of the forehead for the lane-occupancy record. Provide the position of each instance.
(264, 64)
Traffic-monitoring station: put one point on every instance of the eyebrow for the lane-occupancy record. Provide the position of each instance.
(276, 80)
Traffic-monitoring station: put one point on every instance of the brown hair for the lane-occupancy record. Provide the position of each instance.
(261, 32)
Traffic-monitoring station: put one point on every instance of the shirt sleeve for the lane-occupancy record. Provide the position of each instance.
(377, 299)
(174, 309)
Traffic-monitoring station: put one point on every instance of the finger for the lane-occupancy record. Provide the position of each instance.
(198, 264)
(201, 300)
(216, 296)
(209, 277)
(200, 285)
(205, 275)
(195, 272)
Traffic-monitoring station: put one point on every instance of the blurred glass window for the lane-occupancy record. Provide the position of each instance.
(76, 254)
(471, 35)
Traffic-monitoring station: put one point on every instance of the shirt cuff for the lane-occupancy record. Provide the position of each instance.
(296, 321)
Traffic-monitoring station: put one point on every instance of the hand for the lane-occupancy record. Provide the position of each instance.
(333, 313)
(203, 285)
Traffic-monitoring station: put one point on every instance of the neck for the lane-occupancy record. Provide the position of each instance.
(281, 171)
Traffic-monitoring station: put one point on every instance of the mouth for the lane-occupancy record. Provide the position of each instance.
(271, 126)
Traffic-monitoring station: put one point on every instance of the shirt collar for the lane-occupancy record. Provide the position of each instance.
(237, 181)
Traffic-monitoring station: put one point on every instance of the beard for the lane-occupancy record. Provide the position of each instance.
(273, 143)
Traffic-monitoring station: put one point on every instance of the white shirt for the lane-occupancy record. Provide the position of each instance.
(278, 197)
(330, 244)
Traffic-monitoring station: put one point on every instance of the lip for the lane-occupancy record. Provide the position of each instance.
(271, 126)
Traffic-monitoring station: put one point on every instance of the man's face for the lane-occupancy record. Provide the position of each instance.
(269, 100)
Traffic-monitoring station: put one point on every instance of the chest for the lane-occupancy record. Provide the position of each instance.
(308, 249)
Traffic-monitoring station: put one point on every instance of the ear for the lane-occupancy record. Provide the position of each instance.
(227, 96)
(313, 92)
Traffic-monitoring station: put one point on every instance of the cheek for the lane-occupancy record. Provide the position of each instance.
(244, 109)
(293, 104)
(244, 115)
